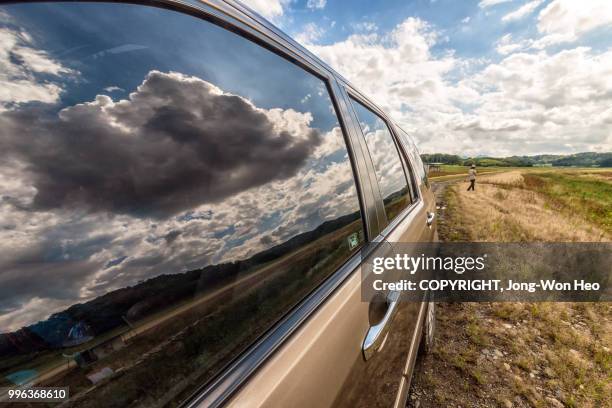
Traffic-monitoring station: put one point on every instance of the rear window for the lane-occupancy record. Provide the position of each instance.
(387, 163)
(169, 191)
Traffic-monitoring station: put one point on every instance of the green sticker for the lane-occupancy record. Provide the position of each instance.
(353, 240)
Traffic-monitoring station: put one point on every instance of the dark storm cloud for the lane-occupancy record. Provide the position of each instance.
(176, 143)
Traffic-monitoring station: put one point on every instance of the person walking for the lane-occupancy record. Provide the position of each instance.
(472, 177)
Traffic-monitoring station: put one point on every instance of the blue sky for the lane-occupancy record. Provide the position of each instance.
(499, 77)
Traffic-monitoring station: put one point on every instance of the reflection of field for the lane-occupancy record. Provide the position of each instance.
(172, 352)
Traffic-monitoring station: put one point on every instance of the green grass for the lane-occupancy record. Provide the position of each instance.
(589, 197)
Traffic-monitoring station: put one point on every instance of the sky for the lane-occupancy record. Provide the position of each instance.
(488, 77)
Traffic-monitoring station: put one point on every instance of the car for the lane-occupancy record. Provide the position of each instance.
(190, 200)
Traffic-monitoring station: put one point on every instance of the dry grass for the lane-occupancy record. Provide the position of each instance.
(519, 354)
(504, 209)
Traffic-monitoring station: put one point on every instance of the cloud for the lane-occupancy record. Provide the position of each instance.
(567, 78)
(316, 4)
(566, 20)
(392, 68)
(310, 33)
(522, 11)
(113, 89)
(270, 9)
(489, 3)
(529, 102)
(546, 102)
(506, 45)
(174, 130)
(22, 68)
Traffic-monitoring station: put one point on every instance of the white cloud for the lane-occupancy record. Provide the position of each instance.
(466, 20)
(316, 4)
(489, 3)
(309, 34)
(400, 60)
(540, 102)
(527, 103)
(113, 89)
(20, 66)
(270, 9)
(522, 11)
(506, 45)
(566, 20)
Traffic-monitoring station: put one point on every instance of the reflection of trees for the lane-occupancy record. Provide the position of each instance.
(175, 355)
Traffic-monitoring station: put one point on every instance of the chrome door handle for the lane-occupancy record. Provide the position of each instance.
(377, 334)
(430, 218)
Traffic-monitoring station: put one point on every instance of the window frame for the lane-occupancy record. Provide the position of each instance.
(241, 20)
(415, 196)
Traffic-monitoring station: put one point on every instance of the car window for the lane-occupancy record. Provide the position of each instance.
(169, 191)
(413, 151)
(387, 163)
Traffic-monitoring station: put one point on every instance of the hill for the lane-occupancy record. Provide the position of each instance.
(587, 159)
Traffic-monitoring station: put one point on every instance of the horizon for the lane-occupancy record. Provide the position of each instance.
(522, 155)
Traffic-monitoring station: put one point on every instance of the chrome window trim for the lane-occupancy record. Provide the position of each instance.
(253, 27)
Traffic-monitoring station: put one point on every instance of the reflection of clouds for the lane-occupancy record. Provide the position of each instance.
(384, 155)
(178, 176)
(413, 151)
(177, 142)
(22, 66)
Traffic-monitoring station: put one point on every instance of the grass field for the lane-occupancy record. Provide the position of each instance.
(523, 354)
(449, 172)
(586, 193)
